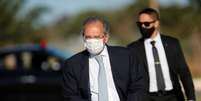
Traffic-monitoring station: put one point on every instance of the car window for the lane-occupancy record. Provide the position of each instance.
(39, 60)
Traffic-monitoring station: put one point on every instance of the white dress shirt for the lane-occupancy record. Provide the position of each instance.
(151, 65)
(93, 76)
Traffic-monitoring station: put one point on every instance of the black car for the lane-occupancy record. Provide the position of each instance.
(30, 73)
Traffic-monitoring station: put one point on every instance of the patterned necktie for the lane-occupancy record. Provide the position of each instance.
(159, 74)
(102, 80)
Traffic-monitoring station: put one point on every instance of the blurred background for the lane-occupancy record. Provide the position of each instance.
(36, 36)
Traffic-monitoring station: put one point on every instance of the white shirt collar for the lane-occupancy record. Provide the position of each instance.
(104, 52)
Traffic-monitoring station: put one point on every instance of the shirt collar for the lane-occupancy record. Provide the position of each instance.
(104, 52)
(156, 39)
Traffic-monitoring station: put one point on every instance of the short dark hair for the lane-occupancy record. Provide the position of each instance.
(92, 19)
(150, 11)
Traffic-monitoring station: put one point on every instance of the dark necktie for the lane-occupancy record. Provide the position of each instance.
(159, 74)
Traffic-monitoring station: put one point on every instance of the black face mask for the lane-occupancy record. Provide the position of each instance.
(146, 32)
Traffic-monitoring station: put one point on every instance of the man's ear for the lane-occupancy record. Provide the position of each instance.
(157, 24)
(106, 38)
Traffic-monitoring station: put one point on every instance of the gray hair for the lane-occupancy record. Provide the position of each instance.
(94, 19)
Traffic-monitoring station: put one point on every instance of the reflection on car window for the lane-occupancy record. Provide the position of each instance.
(42, 60)
(10, 62)
(52, 63)
(26, 60)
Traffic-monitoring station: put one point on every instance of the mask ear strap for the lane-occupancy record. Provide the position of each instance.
(83, 38)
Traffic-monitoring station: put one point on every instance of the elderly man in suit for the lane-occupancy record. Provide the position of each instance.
(101, 72)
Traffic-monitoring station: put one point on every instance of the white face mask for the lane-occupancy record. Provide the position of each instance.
(94, 46)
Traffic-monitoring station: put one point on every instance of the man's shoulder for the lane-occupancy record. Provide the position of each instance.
(135, 43)
(117, 49)
(77, 56)
(169, 38)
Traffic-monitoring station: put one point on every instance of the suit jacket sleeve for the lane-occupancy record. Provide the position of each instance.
(136, 89)
(70, 84)
(185, 74)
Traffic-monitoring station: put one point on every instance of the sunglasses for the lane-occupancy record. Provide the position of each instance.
(146, 24)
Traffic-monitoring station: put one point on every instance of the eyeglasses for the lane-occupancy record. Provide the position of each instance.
(96, 37)
(146, 24)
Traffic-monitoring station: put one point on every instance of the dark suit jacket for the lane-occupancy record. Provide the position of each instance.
(177, 65)
(76, 76)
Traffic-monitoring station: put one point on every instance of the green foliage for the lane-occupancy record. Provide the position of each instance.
(175, 20)
(179, 22)
(72, 26)
(14, 29)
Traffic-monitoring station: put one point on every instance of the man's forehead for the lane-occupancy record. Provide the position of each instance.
(94, 27)
(145, 16)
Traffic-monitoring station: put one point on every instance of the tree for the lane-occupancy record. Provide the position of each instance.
(14, 29)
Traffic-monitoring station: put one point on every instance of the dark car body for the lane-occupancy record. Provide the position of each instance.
(30, 73)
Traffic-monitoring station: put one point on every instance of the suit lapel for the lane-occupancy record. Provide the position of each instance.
(85, 74)
(168, 53)
(114, 66)
(113, 62)
(165, 45)
(143, 55)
